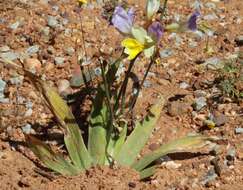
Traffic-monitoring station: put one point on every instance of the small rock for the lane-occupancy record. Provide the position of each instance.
(4, 49)
(210, 17)
(28, 113)
(32, 64)
(51, 50)
(69, 51)
(200, 93)
(32, 50)
(200, 103)
(17, 80)
(165, 53)
(97, 71)
(239, 130)
(184, 85)
(177, 108)
(59, 61)
(171, 165)
(52, 22)
(15, 25)
(11, 56)
(63, 85)
(239, 40)
(210, 176)
(214, 63)
(220, 119)
(210, 5)
(230, 156)
(2, 85)
(45, 31)
(27, 129)
(147, 84)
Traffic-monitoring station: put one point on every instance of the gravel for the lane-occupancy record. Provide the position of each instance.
(200, 103)
(32, 50)
(52, 22)
(11, 56)
(239, 130)
(59, 60)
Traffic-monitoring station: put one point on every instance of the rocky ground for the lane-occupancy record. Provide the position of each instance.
(194, 74)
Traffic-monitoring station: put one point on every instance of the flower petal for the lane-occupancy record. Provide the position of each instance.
(132, 47)
(139, 34)
(122, 20)
(152, 8)
(156, 30)
(192, 21)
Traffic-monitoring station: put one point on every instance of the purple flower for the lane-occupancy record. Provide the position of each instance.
(156, 30)
(123, 20)
(192, 21)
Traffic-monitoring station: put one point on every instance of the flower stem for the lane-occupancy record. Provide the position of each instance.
(124, 86)
(152, 60)
(164, 9)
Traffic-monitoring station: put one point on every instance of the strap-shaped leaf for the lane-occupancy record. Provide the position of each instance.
(51, 159)
(138, 138)
(188, 143)
(72, 135)
(147, 172)
(99, 119)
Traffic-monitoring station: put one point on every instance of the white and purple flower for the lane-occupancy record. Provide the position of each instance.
(123, 20)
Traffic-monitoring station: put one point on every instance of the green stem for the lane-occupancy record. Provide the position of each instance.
(164, 9)
(123, 88)
(144, 78)
(108, 101)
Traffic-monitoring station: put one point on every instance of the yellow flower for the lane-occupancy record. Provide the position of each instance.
(132, 47)
(82, 1)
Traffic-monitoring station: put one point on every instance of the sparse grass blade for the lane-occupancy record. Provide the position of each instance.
(147, 172)
(138, 138)
(51, 159)
(72, 135)
(120, 141)
(188, 143)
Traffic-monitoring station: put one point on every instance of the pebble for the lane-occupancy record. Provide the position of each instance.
(63, 85)
(2, 85)
(239, 40)
(59, 60)
(210, 5)
(97, 71)
(176, 108)
(239, 130)
(32, 64)
(2, 88)
(11, 56)
(52, 22)
(15, 25)
(45, 31)
(17, 80)
(210, 17)
(147, 84)
(32, 50)
(200, 93)
(214, 63)
(220, 119)
(27, 129)
(230, 156)
(69, 51)
(184, 85)
(4, 49)
(210, 176)
(165, 53)
(171, 165)
(200, 103)
(28, 113)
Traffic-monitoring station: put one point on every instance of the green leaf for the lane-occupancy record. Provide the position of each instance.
(147, 172)
(99, 119)
(120, 141)
(51, 159)
(184, 144)
(72, 135)
(138, 138)
(97, 131)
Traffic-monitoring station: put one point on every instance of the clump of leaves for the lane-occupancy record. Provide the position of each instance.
(108, 140)
(230, 79)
